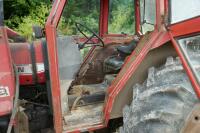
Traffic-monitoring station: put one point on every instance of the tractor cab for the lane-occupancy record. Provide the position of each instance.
(85, 59)
(136, 59)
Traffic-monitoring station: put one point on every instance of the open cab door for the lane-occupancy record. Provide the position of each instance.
(184, 32)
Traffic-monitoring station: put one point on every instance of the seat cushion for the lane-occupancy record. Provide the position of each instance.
(127, 49)
(113, 63)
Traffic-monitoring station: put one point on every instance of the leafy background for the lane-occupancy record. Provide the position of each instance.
(21, 15)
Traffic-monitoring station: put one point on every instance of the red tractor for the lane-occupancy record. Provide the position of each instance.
(150, 79)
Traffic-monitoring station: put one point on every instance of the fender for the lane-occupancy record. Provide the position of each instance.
(155, 57)
(7, 83)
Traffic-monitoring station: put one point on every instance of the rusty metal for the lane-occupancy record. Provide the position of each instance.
(149, 41)
(92, 71)
(192, 123)
(83, 117)
(22, 122)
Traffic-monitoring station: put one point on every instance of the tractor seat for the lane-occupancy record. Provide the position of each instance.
(91, 93)
(114, 63)
(126, 50)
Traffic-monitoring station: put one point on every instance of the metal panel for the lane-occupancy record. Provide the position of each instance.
(50, 28)
(69, 57)
(7, 83)
(188, 28)
(131, 65)
(69, 61)
(103, 26)
(156, 58)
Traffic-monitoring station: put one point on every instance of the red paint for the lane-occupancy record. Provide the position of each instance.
(28, 79)
(6, 73)
(186, 66)
(137, 16)
(166, 6)
(54, 76)
(185, 27)
(21, 55)
(11, 33)
(115, 88)
(50, 28)
(104, 10)
(163, 38)
(157, 38)
(115, 35)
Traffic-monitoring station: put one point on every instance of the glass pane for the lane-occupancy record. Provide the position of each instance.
(121, 17)
(150, 11)
(83, 11)
(191, 49)
(147, 14)
(184, 9)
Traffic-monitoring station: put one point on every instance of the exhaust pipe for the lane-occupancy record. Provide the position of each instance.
(1, 13)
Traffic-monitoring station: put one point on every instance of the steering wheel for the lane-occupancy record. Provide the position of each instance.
(89, 39)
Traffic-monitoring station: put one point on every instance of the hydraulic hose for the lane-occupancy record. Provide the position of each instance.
(15, 105)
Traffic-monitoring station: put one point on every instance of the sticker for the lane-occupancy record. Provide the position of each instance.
(4, 91)
(27, 69)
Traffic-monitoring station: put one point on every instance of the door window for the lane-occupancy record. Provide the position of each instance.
(121, 17)
(190, 46)
(184, 9)
(147, 15)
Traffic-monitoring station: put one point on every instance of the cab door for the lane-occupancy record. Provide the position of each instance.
(184, 32)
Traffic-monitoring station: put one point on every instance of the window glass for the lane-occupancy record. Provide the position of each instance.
(83, 11)
(184, 9)
(147, 15)
(191, 49)
(121, 17)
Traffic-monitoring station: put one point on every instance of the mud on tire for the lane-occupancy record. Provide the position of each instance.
(162, 103)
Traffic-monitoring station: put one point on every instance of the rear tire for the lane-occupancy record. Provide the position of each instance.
(162, 103)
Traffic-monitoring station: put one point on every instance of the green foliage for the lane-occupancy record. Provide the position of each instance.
(121, 17)
(85, 12)
(36, 17)
(28, 13)
(20, 15)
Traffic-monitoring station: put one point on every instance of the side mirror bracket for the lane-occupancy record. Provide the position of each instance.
(38, 32)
